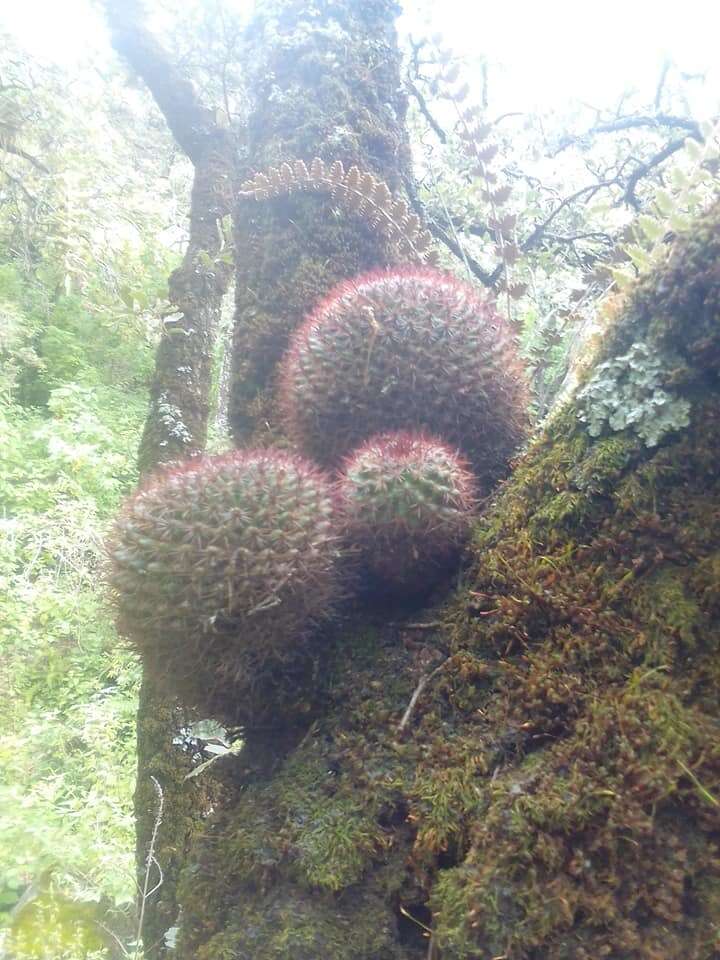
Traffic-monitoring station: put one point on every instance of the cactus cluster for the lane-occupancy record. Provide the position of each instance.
(220, 566)
(405, 349)
(408, 502)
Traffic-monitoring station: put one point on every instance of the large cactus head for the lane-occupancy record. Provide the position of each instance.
(405, 349)
(409, 501)
(219, 567)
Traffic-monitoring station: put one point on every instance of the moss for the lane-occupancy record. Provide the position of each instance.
(663, 604)
(555, 793)
(330, 90)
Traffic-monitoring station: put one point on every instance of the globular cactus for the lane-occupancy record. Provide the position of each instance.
(409, 502)
(219, 567)
(405, 349)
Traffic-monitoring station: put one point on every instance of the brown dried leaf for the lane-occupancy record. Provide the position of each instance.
(497, 197)
(480, 131)
(353, 178)
(517, 290)
(423, 241)
(398, 211)
(337, 172)
(504, 225)
(301, 171)
(382, 197)
(367, 185)
(487, 154)
(411, 225)
(508, 252)
(317, 169)
(451, 74)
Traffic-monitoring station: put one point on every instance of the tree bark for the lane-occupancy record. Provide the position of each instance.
(324, 81)
(536, 774)
(176, 428)
(553, 792)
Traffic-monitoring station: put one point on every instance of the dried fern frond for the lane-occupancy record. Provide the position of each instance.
(360, 192)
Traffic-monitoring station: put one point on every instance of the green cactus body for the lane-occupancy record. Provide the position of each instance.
(405, 349)
(219, 568)
(409, 501)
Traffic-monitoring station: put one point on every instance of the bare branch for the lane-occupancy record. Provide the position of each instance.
(424, 681)
(17, 152)
(656, 122)
(540, 229)
(192, 124)
(643, 169)
(425, 111)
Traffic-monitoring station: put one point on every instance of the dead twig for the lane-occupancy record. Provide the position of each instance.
(417, 693)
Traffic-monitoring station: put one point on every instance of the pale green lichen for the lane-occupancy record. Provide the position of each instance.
(627, 392)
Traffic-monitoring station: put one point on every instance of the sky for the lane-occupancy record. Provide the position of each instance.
(543, 53)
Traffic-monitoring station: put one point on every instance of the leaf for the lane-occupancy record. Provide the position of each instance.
(693, 150)
(337, 172)
(680, 222)
(653, 229)
(622, 278)
(317, 169)
(509, 253)
(517, 290)
(488, 153)
(497, 197)
(639, 256)
(504, 225)
(664, 202)
(300, 170)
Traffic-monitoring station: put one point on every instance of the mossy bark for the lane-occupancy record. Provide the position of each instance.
(555, 792)
(175, 429)
(324, 81)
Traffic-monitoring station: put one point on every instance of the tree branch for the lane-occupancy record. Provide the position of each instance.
(656, 122)
(540, 229)
(17, 152)
(176, 428)
(425, 111)
(192, 124)
(643, 169)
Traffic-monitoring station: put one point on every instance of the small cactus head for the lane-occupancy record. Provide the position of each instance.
(408, 501)
(219, 568)
(405, 349)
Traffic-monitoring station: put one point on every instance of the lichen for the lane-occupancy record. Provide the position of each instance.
(626, 392)
(555, 793)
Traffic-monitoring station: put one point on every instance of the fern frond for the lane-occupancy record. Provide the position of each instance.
(356, 190)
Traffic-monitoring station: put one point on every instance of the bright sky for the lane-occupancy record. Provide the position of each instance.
(552, 51)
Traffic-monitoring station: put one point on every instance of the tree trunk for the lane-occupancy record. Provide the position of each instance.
(555, 792)
(531, 769)
(176, 428)
(324, 82)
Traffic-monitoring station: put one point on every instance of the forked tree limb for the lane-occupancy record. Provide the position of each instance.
(176, 428)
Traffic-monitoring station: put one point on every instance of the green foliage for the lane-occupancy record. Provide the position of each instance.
(67, 744)
(406, 349)
(627, 392)
(409, 502)
(82, 284)
(219, 567)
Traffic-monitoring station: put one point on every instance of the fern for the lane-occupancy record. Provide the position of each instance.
(360, 192)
